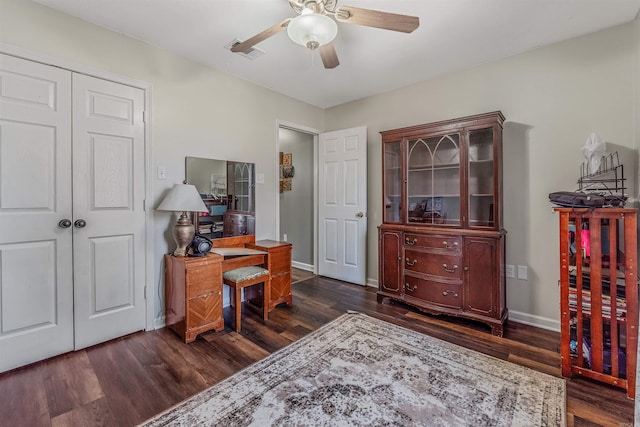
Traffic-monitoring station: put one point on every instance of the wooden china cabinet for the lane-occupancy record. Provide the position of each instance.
(441, 244)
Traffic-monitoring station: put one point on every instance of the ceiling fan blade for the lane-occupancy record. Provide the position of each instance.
(271, 31)
(377, 19)
(329, 56)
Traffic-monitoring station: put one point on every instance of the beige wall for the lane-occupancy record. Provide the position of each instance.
(552, 98)
(196, 111)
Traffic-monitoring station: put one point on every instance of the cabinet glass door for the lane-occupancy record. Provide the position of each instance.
(392, 194)
(433, 180)
(481, 187)
(240, 185)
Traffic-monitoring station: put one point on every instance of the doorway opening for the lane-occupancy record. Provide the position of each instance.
(297, 194)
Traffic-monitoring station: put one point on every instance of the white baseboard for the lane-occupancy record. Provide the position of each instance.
(372, 282)
(303, 266)
(537, 321)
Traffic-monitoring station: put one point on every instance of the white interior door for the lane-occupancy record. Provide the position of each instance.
(108, 196)
(36, 283)
(342, 219)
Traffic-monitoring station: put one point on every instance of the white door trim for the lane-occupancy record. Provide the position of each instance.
(149, 202)
(315, 133)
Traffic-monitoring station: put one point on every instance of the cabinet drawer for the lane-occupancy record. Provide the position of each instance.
(202, 280)
(435, 264)
(444, 294)
(204, 309)
(434, 242)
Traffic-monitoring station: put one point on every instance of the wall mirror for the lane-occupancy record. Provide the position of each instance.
(228, 190)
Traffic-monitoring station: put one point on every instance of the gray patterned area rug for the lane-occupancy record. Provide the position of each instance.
(358, 371)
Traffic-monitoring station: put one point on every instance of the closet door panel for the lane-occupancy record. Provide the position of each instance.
(108, 184)
(36, 288)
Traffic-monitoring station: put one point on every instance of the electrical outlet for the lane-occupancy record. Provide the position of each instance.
(510, 271)
(259, 178)
(162, 172)
(284, 237)
(522, 272)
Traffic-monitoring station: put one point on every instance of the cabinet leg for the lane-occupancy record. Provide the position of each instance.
(496, 330)
(380, 299)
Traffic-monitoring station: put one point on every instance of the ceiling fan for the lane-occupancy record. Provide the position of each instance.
(315, 28)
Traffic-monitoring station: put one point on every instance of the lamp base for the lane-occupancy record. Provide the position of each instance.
(183, 233)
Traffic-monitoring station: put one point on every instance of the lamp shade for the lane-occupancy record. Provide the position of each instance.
(312, 30)
(183, 198)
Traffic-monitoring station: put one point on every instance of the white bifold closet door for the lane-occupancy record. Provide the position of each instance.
(71, 148)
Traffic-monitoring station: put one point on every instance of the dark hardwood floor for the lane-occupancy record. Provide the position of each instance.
(125, 381)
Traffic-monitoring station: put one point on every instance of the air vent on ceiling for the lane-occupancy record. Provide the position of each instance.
(251, 53)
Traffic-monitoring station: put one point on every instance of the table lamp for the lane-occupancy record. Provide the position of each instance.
(183, 198)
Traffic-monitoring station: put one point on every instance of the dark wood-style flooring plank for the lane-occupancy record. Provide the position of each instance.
(125, 381)
(71, 384)
(126, 384)
(95, 413)
(23, 399)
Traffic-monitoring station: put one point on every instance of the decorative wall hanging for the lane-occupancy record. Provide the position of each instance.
(286, 171)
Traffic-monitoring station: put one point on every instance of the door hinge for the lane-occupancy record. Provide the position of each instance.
(145, 292)
(144, 117)
(144, 205)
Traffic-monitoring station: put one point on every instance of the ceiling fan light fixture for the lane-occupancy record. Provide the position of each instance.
(312, 30)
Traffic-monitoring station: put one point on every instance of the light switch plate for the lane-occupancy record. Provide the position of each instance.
(510, 271)
(162, 172)
(259, 178)
(522, 272)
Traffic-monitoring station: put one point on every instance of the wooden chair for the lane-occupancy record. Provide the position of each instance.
(243, 277)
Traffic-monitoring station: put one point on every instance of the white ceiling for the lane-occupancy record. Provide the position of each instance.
(453, 34)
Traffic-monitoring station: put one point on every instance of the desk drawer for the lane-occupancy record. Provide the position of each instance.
(203, 280)
(449, 266)
(280, 262)
(280, 286)
(204, 309)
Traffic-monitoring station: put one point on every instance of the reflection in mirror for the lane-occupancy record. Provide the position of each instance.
(228, 190)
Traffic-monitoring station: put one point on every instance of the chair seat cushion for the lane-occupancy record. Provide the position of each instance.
(244, 273)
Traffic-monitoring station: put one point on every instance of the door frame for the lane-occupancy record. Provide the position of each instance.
(148, 202)
(311, 131)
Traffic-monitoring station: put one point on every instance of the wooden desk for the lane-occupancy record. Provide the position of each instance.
(236, 257)
(193, 286)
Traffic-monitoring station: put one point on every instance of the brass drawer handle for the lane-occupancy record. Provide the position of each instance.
(411, 263)
(446, 244)
(411, 242)
(453, 269)
(453, 293)
(408, 287)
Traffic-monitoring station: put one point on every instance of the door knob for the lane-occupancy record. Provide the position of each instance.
(79, 223)
(64, 223)
(360, 214)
